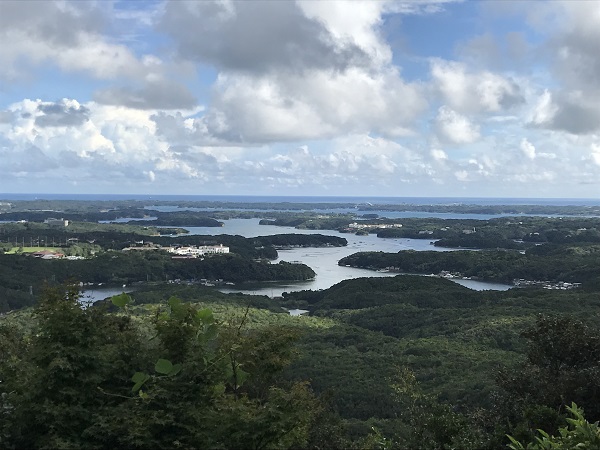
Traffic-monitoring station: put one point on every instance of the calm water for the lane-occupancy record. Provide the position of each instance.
(358, 212)
(324, 261)
(312, 199)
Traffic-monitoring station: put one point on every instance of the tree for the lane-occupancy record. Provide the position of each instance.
(579, 433)
(562, 366)
(86, 377)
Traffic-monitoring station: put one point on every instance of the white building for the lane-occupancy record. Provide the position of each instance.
(199, 250)
(57, 222)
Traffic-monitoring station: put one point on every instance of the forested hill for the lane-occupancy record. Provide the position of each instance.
(547, 262)
(409, 350)
(403, 362)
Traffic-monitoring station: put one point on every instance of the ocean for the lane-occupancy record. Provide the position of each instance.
(313, 199)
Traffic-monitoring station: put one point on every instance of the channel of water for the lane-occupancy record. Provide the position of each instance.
(324, 260)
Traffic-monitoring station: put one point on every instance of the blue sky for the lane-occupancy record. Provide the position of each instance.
(377, 98)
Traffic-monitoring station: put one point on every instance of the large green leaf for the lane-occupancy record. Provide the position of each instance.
(178, 308)
(121, 300)
(164, 366)
(175, 371)
(139, 378)
(241, 376)
(205, 315)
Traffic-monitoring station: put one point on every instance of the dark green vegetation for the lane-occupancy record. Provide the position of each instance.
(116, 205)
(19, 272)
(106, 261)
(506, 232)
(424, 358)
(166, 377)
(573, 264)
(405, 362)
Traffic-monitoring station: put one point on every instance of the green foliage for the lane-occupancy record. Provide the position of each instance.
(561, 366)
(121, 300)
(19, 272)
(198, 382)
(579, 433)
(566, 264)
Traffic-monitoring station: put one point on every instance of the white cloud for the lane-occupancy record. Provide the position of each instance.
(324, 104)
(351, 21)
(473, 92)
(544, 111)
(438, 154)
(527, 148)
(328, 72)
(461, 175)
(572, 103)
(307, 93)
(455, 128)
(256, 37)
(595, 154)
(67, 34)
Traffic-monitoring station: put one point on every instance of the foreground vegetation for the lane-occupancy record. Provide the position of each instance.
(404, 362)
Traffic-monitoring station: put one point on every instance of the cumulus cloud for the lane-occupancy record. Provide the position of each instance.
(544, 110)
(473, 92)
(294, 70)
(263, 109)
(59, 23)
(572, 113)
(29, 159)
(66, 113)
(297, 93)
(527, 148)
(595, 154)
(340, 166)
(67, 34)
(256, 36)
(577, 44)
(438, 154)
(573, 104)
(455, 128)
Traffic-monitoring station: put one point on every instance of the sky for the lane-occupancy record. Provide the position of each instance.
(336, 98)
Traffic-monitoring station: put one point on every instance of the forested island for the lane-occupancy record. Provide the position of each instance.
(523, 207)
(102, 256)
(550, 262)
(401, 362)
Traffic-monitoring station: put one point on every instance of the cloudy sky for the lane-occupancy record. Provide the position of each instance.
(374, 98)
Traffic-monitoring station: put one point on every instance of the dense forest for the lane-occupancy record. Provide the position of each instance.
(553, 263)
(404, 362)
(400, 362)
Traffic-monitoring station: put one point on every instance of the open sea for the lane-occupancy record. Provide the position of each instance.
(314, 199)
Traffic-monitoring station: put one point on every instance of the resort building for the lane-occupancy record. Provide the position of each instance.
(196, 251)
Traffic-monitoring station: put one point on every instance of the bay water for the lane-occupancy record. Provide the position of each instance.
(324, 260)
